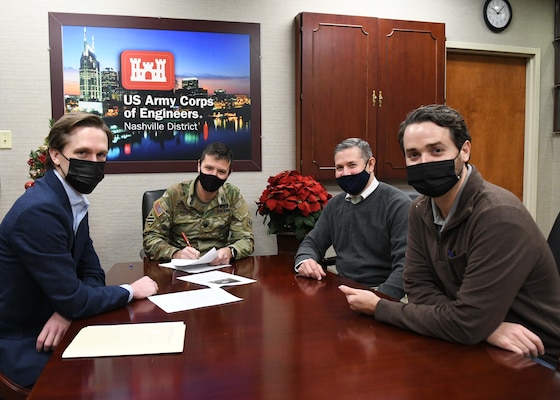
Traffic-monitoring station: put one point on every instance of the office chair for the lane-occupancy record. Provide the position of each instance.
(554, 241)
(148, 202)
(10, 390)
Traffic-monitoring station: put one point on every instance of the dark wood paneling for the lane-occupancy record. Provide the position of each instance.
(411, 74)
(342, 63)
(338, 65)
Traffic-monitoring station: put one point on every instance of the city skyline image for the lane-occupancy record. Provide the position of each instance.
(165, 87)
(220, 61)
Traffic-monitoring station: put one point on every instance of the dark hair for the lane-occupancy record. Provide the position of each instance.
(364, 147)
(440, 115)
(62, 129)
(218, 150)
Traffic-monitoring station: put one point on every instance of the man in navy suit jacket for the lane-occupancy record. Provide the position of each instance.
(49, 271)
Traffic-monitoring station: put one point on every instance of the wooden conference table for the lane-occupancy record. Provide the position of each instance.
(290, 338)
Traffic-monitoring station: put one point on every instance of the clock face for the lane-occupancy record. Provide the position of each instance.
(497, 14)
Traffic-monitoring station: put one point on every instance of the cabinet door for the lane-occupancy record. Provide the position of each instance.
(359, 77)
(411, 74)
(335, 68)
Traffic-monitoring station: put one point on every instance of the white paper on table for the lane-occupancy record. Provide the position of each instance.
(192, 299)
(195, 266)
(216, 279)
(195, 269)
(127, 339)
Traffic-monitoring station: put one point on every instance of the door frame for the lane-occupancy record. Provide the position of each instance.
(532, 57)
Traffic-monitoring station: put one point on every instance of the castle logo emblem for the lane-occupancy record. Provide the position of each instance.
(147, 70)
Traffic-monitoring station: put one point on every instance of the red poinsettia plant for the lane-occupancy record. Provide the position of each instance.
(292, 202)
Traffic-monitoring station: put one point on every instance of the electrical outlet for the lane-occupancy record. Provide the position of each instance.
(5, 139)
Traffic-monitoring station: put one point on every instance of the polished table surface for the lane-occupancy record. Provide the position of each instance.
(290, 338)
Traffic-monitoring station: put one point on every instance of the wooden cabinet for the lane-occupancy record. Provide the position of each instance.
(359, 77)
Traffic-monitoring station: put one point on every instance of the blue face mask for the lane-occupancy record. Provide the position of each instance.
(353, 184)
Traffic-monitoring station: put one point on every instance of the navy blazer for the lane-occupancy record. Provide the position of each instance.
(45, 268)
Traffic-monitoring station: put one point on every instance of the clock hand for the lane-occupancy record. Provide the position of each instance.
(500, 10)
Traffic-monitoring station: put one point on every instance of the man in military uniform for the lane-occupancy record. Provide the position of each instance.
(194, 216)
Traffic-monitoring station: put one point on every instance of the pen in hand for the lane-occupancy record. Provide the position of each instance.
(186, 239)
(189, 251)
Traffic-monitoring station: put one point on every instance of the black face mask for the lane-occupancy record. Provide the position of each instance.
(353, 184)
(433, 179)
(84, 175)
(210, 183)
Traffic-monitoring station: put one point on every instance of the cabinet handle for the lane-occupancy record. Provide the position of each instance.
(373, 98)
(380, 99)
(322, 168)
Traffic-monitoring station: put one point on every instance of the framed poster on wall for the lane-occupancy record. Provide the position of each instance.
(165, 87)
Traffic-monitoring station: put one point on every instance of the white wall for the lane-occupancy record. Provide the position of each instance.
(115, 213)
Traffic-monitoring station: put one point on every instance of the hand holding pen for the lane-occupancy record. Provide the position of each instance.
(186, 239)
(187, 252)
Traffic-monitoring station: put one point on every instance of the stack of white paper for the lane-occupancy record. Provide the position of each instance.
(201, 264)
(191, 299)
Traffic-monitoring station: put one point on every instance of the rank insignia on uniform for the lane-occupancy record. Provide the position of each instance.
(158, 208)
(150, 219)
(223, 208)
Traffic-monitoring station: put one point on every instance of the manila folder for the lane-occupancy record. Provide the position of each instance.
(127, 339)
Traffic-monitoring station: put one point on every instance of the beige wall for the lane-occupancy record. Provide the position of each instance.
(115, 212)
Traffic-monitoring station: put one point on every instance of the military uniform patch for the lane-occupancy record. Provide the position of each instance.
(158, 208)
(224, 208)
(150, 219)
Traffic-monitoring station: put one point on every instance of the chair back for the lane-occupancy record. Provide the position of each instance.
(148, 200)
(554, 241)
(10, 390)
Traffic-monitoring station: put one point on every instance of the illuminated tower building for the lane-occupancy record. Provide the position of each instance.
(220, 94)
(90, 77)
(190, 84)
(109, 83)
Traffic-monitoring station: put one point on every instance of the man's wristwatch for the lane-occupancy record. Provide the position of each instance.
(233, 252)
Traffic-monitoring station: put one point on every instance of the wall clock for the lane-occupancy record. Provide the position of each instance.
(497, 14)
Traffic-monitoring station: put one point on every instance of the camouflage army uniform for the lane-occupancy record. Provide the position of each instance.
(224, 221)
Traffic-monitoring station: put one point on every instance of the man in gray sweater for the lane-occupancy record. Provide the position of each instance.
(477, 266)
(366, 225)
